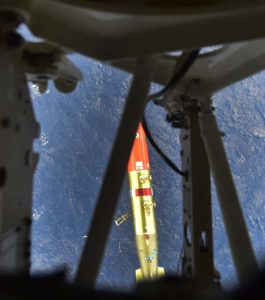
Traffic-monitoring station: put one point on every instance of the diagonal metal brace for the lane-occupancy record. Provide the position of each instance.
(98, 232)
(237, 232)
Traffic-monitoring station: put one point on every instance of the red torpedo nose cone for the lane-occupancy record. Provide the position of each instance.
(139, 159)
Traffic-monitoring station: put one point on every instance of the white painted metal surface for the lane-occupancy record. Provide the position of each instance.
(18, 128)
(113, 35)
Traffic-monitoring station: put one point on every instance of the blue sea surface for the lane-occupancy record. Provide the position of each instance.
(77, 132)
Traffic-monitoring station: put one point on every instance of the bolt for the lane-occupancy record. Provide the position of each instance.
(3, 177)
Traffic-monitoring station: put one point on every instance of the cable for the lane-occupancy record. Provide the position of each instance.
(166, 159)
(186, 61)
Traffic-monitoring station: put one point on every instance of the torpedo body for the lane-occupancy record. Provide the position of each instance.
(143, 209)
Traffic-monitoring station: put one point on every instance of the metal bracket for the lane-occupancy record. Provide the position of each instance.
(44, 61)
(197, 261)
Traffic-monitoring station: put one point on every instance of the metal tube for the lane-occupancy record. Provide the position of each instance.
(240, 244)
(98, 232)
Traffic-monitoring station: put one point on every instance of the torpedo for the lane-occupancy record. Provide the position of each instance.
(143, 206)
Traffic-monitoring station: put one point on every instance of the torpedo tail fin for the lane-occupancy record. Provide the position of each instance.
(160, 272)
(138, 275)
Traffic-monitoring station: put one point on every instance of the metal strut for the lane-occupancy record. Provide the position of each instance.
(240, 244)
(197, 261)
(98, 232)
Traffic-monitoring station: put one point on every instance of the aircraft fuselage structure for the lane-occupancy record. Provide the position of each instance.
(142, 38)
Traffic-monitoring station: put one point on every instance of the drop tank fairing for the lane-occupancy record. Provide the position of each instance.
(143, 212)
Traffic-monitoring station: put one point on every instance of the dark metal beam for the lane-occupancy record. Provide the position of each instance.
(197, 212)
